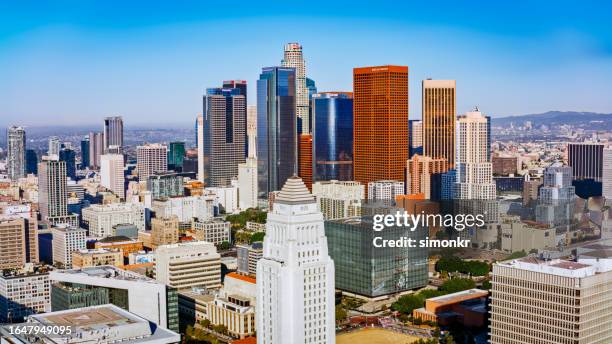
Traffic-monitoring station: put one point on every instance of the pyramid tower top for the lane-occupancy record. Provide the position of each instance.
(294, 192)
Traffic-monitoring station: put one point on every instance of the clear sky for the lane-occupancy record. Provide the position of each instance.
(74, 62)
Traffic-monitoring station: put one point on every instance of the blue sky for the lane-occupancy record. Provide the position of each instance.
(74, 62)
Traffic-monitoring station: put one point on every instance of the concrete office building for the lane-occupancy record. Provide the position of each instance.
(18, 241)
(226, 198)
(248, 256)
(553, 301)
(294, 58)
(606, 175)
(385, 189)
(112, 173)
(94, 286)
(517, 235)
(164, 231)
(16, 153)
(438, 115)
(188, 265)
(586, 160)
(185, 208)
(215, 231)
(113, 134)
(339, 199)
(150, 159)
(162, 185)
(52, 189)
(295, 271)
(66, 240)
(101, 218)
(23, 292)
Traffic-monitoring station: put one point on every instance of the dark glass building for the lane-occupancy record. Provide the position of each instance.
(276, 128)
(332, 128)
(31, 161)
(68, 155)
(241, 85)
(85, 153)
(586, 160)
(176, 155)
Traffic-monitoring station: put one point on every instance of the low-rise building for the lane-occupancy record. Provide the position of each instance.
(101, 218)
(125, 244)
(248, 256)
(189, 264)
(517, 235)
(466, 308)
(216, 231)
(24, 292)
(164, 231)
(95, 257)
(234, 305)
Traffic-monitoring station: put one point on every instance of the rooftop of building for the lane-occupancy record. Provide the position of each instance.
(198, 294)
(107, 272)
(459, 296)
(558, 267)
(241, 277)
(27, 270)
(294, 192)
(117, 239)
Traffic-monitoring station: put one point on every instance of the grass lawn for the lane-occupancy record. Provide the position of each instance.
(374, 336)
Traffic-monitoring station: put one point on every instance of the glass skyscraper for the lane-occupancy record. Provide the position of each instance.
(276, 128)
(31, 161)
(85, 153)
(176, 155)
(68, 155)
(332, 136)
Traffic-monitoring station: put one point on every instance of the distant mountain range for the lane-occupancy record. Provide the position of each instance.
(584, 120)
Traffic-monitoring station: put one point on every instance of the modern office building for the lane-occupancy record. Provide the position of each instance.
(100, 219)
(385, 189)
(248, 256)
(438, 113)
(31, 162)
(234, 306)
(276, 128)
(97, 324)
(305, 159)
(162, 185)
(96, 149)
(606, 175)
(84, 258)
(68, 155)
(339, 199)
(18, 241)
(151, 159)
(295, 270)
(415, 137)
(16, 153)
(54, 146)
(224, 134)
(420, 171)
(24, 292)
(550, 301)
(112, 173)
(52, 200)
(294, 58)
(85, 161)
(586, 160)
(66, 240)
(216, 231)
(99, 285)
(332, 128)
(557, 195)
(380, 125)
(188, 265)
(369, 271)
(164, 231)
(113, 134)
(176, 155)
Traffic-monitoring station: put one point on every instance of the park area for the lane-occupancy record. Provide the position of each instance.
(374, 335)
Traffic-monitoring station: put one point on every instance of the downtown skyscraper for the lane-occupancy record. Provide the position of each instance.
(586, 159)
(96, 149)
(438, 115)
(113, 133)
(16, 153)
(294, 58)
(223, 135)
(276, 128)
(380, 122)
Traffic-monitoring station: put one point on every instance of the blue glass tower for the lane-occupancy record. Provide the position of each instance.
(31, 161)
(276, 128)
(85, 153)
(68, 155)
(332, 144)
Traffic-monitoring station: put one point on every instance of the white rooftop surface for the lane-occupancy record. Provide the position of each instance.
(560, 267)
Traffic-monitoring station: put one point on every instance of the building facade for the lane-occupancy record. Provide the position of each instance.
(294, 58)
(419, 173)
(18, 241)
(22, 293)
(112, 173)
(385, 189)
(151, 158)
(101, 218)
(215, 231)
(66, 240)
(339, 199)
(439, 110)
(16, 153)
(586, 160)
(113, 133)
(188, 265)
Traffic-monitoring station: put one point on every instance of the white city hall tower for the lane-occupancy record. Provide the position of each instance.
(295, 277)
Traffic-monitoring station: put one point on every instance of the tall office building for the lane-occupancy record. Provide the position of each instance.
(176, 155)
(294, 58)
(276, 128)
(18, 241)
(241, 85)
(438, 115)
(68, 155)
(552, 301)
(85, 153)
(52, 195)
(66, 240)
(295, 271)
(31, 162)
(96, 149)
(54, 146)
(415, 137)
(332, 128)
(16, 152)
(224, 134)
(113, 133)
(586, 160)
(247, 172)
(419, 173)
(606, 175)
(200, 146)
(151, 158)
(112, 173)
(380, 123)
(305, 159)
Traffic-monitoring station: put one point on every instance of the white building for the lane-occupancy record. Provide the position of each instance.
(151, 158)
(185, 208)
(295, 277)
(66, 240)
(385, 189)
(188, 265)
(102, 217)
(607, 174)
(339, 199)
(112, 173)
(22, 293)
(293, 57)
(247, 172)
(226, 197)
(234, 305)
(215, 231)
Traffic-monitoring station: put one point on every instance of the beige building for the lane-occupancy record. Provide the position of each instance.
(339, 199)
(234, 305)
(95, 257)
(151, 158)
(215, 231)
(188, 265)
(554, 301)
(18, 241)
(66, 240)
(438, 114)
(164, 231)
(517, 235)
(419, 170)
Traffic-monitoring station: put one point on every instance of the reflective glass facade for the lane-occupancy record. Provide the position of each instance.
(276, 128)
(332, 136)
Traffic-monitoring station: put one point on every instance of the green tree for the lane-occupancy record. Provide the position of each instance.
(457, 284)
(224, 245)
(407, 303)
(341, 314)
(486, 285)
(259, 236)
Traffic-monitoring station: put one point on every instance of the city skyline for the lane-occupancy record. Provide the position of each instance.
(152, 69)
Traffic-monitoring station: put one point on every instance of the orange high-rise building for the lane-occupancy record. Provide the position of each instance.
(305, 160)
(380, 123)
(439, 116)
